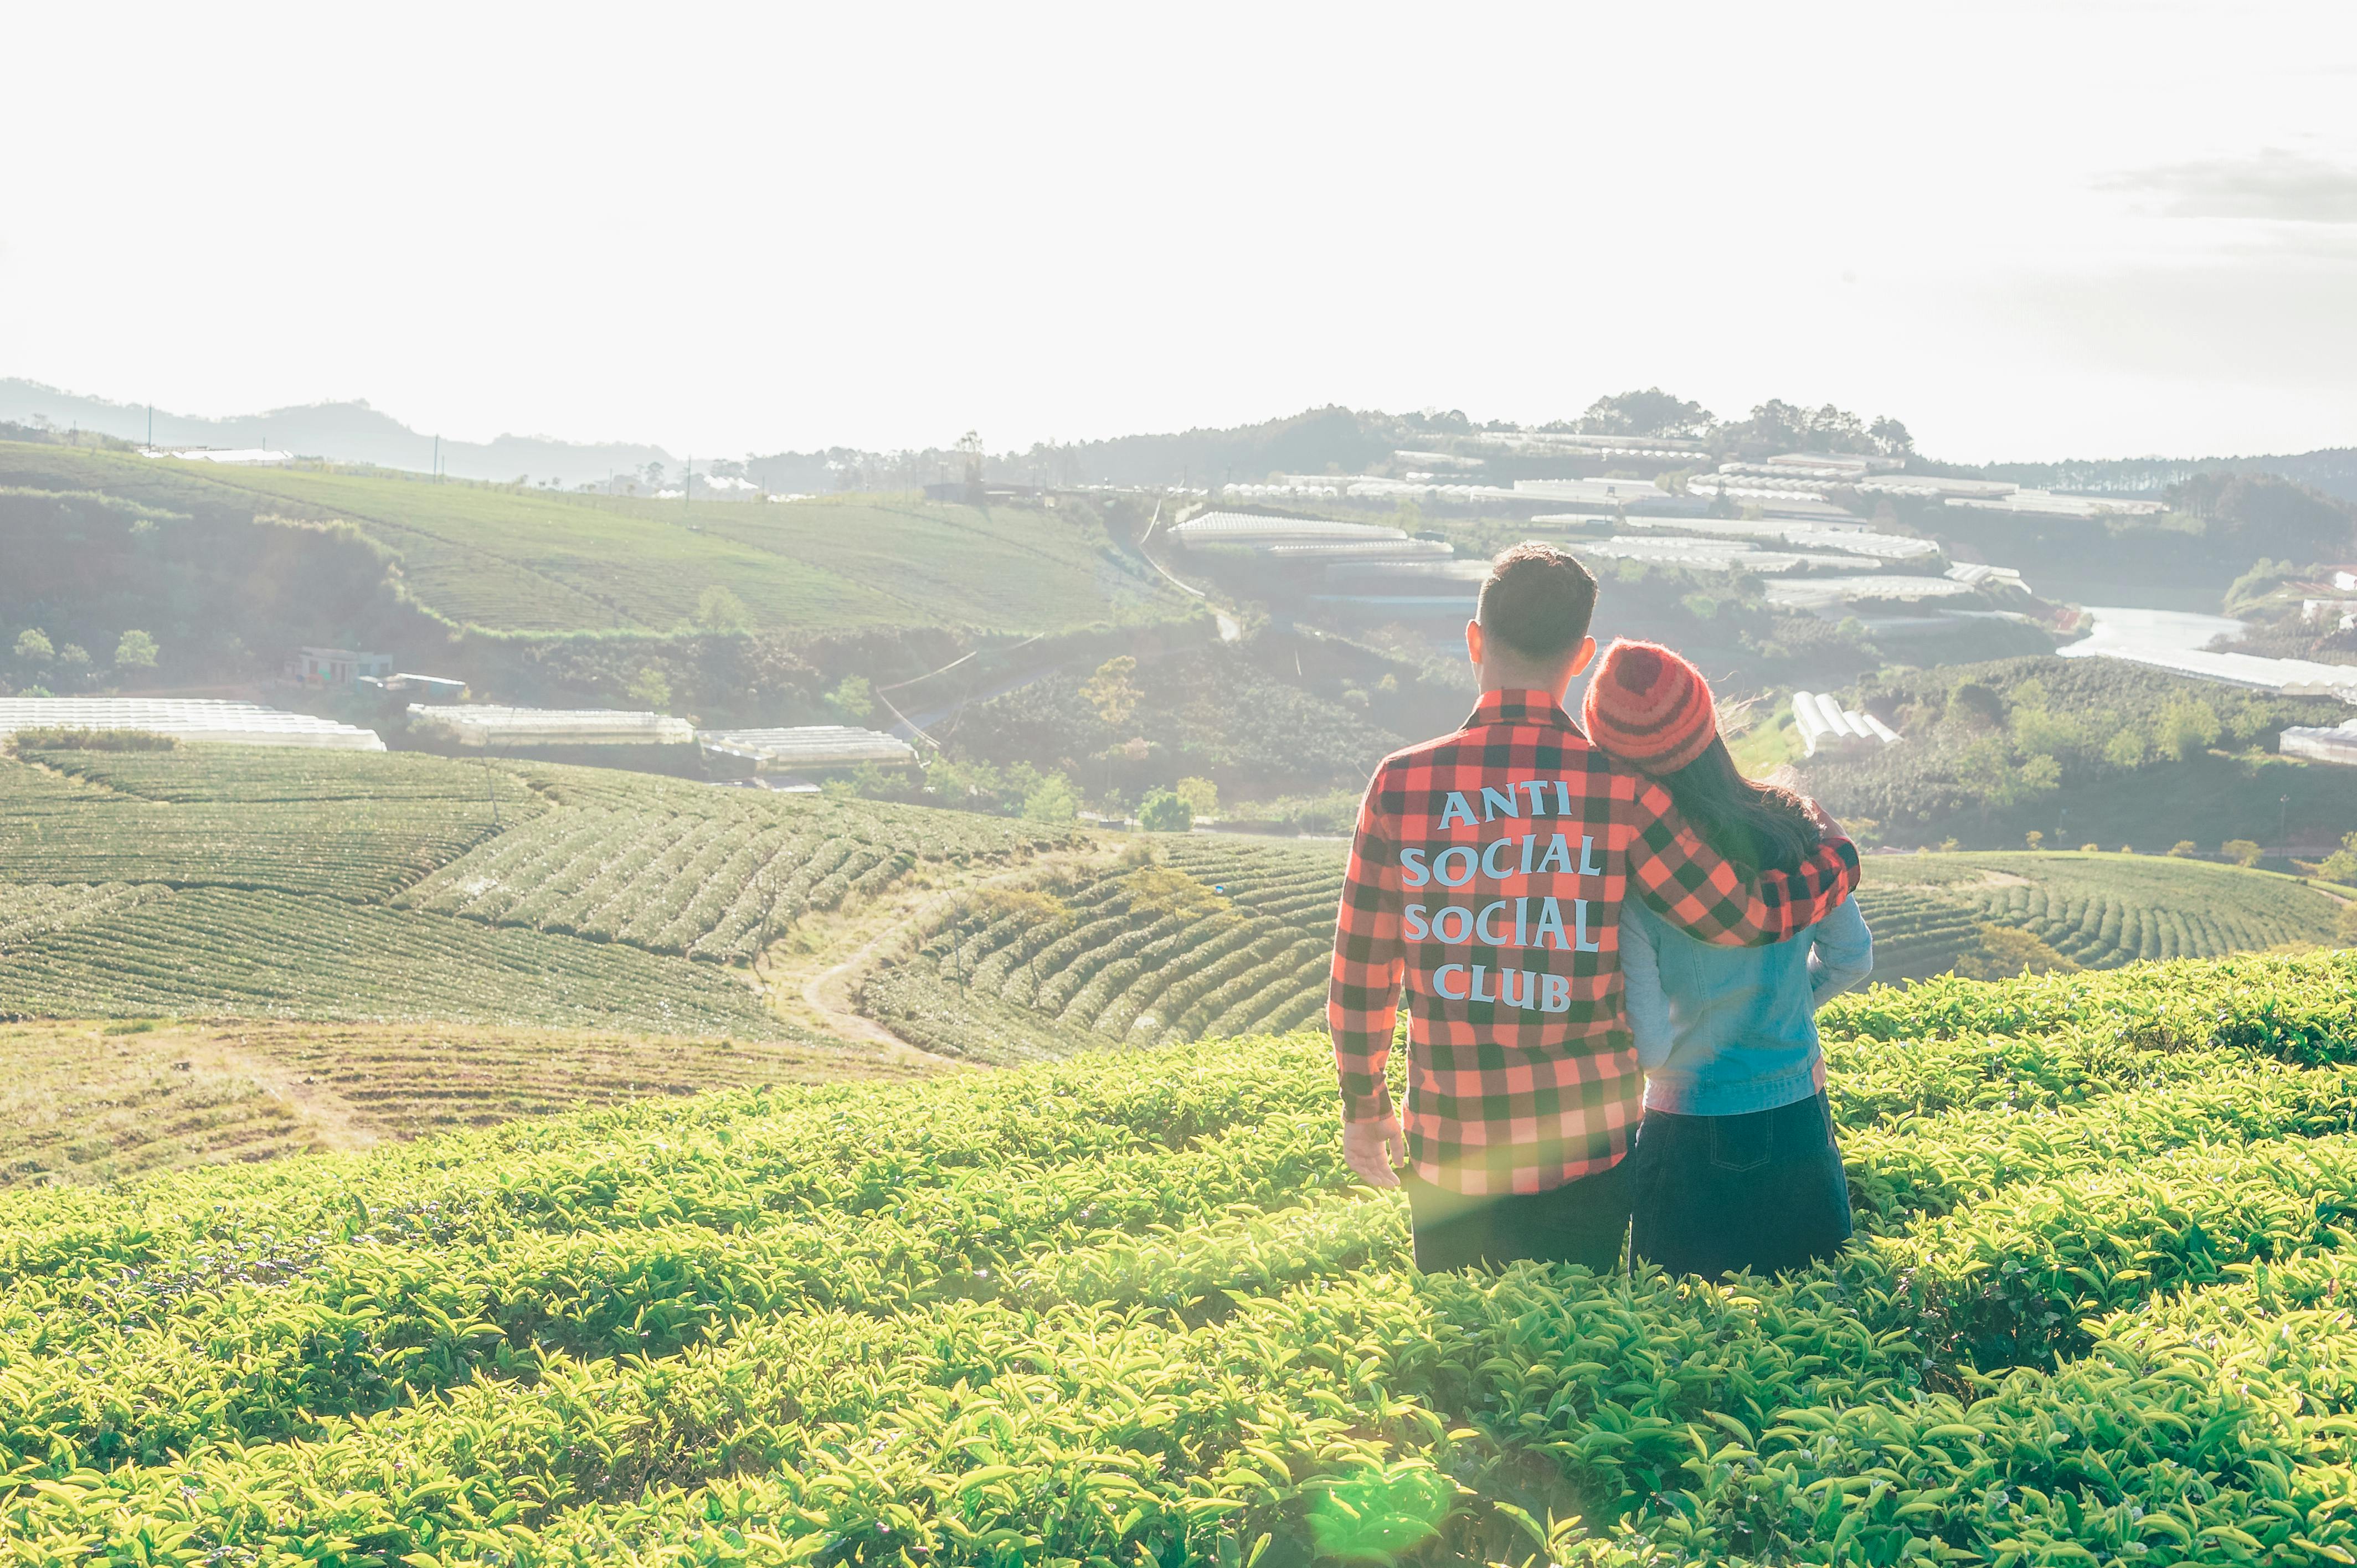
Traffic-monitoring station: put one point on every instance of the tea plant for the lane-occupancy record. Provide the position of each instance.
(1133, 1308)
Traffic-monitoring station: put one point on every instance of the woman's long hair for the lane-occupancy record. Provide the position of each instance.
(1763, 826)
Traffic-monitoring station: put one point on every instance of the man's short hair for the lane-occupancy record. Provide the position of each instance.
(1537, 600)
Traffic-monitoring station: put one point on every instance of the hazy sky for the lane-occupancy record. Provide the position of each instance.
(2054, 229)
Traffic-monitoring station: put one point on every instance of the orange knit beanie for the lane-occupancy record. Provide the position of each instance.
(1648, 707)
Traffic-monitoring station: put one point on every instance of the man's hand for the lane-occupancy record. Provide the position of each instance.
(1375, 1149)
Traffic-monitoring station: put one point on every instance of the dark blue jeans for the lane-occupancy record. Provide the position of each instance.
(1715, 1193)
(1582, 1221)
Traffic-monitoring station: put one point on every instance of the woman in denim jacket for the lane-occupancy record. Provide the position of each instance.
(1736, 1165)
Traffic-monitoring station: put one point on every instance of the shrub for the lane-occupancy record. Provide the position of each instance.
(1051, 801)
(2006, 953)
(62, 738)
(717, 609)
(1165, 812)
(2242, 851)
(853, 698)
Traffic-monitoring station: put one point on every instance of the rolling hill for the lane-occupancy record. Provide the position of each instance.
(372, 886)
(223, 883)
(520, 561)
(2097, 910)
(1127, 953)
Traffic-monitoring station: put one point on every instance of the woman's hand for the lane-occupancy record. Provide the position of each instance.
(1819, 815)
(1375, 1149)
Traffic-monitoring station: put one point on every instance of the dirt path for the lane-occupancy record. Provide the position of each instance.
(333, 1122)
(811, 976)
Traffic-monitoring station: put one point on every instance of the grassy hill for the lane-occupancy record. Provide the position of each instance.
(228, 882)
(1133, 1309)
(522, 561)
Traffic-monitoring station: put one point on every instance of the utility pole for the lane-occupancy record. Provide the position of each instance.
(2283, 824)
(437, 459)
(687, 489)
(151, 425)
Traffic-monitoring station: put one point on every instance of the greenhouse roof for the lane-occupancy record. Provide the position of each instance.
(189, 718)
(1244, 528)
(1716, 555)
(1361, 549)
(490, 725)
(2050, 503)
(809, 745)
(1824, 593)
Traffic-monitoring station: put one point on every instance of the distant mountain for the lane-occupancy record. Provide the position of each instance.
(1331, 440)
(342, 431)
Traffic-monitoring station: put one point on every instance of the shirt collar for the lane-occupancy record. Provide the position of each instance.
(1523, 706)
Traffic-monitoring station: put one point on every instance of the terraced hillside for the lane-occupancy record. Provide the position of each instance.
(1134, 1309)
(1224, 936)
(225, 882)
(1131, 955)
(2097, 910)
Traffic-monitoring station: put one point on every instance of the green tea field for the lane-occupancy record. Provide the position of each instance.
(1238, 940)
(1132, 1309)
(216, 882)
(2098, 910)
(1222, 936)
(525, 561)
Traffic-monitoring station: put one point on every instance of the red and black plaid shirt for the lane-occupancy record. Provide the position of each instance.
(1487, 872)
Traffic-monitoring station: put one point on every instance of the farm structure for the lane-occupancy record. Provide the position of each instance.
(1826, 725)
(1825, 478)
(187, 719)
(1851, 539)
(2165, 641)
(340, 667)
(1267, 533)
(806, 746)
(1828, 593)
(489, 725)
(2046, 503)
(1713, 554)
(2336, 743)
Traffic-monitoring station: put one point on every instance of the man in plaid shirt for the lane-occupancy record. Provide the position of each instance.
(1487, 876)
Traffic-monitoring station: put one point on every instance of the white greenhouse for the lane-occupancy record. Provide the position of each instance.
(188, 718)
(1826, 725)
(809, 745)
(2338, 744)
(489, 725)
(1262, 532)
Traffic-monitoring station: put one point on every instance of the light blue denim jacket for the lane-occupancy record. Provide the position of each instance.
(1724, 1031)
